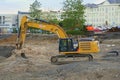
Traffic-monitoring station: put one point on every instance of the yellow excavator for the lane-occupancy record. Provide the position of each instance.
(85, 47)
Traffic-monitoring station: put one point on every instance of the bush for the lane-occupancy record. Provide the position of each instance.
(14, 30)
(76, 32)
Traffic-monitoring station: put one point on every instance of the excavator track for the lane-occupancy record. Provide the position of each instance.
(55, 59)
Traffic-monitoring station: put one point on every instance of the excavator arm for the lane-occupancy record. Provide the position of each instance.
(43, 25)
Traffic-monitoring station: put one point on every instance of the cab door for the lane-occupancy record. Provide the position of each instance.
(66, 45)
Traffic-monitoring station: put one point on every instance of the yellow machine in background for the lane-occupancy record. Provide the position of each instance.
(84, 46)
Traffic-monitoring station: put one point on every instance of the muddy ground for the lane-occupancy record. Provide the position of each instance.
(37, 66)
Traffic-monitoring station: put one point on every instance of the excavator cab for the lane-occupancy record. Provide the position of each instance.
(66, 45)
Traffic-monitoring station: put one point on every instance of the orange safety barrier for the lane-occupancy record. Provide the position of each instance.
(90, 28)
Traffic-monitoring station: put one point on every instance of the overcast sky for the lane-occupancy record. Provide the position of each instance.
(13, 6)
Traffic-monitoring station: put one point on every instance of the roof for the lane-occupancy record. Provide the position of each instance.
(96, 5)
(91, 5)
(19, 12)
(114, 1)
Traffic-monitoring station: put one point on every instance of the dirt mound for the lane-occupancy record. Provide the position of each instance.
(11, 39)
(112, 35)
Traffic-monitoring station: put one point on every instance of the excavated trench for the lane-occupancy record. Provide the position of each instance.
(6, 51)
(7, 45)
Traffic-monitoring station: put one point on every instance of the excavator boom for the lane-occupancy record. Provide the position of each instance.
(43, 25)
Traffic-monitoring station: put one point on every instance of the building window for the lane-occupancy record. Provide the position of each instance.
(0, 19)
(102, 9)
(97, 9)
(106, 10)
(112, 9)
(3, 19)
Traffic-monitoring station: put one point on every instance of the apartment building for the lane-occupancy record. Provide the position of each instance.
(106, 13)
(7, 22)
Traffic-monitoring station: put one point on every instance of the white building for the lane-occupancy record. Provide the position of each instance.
(7, 22)
(106, 13)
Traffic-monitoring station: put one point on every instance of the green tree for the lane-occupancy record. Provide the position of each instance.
(35, 11)
(73, 16)
(51, 17)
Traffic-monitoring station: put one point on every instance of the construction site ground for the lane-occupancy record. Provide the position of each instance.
(39, 49)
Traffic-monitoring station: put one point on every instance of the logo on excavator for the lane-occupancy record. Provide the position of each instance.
(41, 26)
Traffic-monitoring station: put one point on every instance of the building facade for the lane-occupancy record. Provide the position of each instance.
(7, 22)
(106, 13)
(10, 22)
